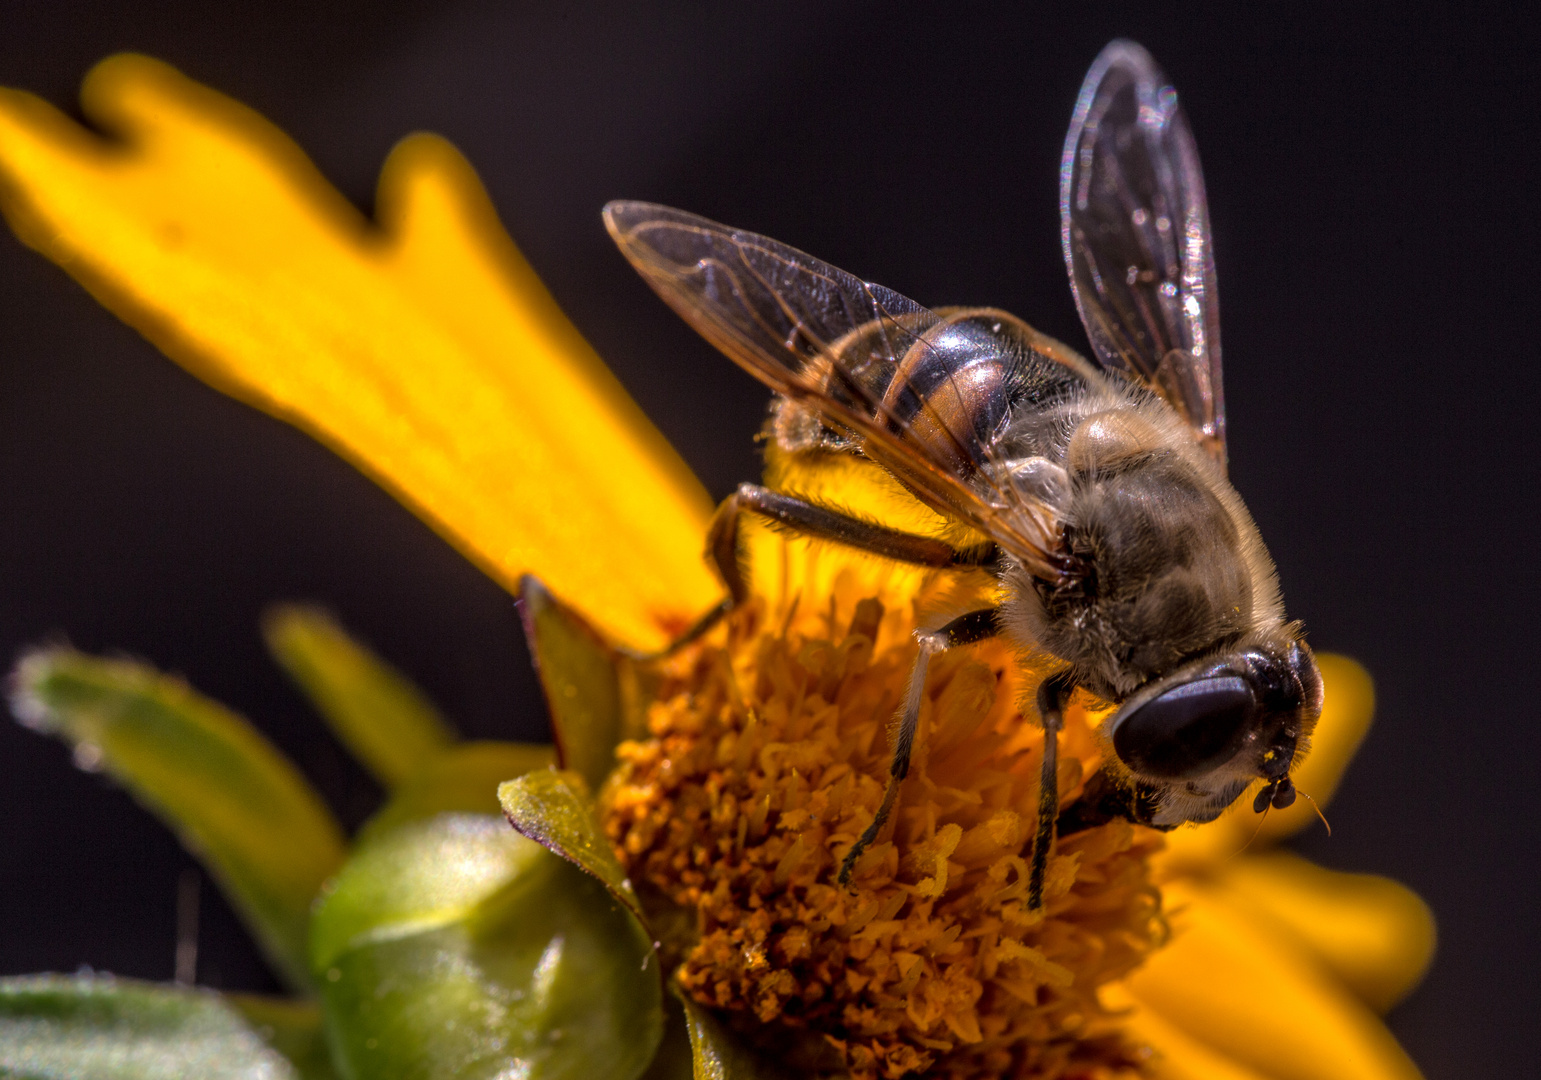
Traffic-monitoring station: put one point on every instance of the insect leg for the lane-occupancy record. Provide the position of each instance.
(821, 523)
(964, 630)
(1053, 695)
(722, 550)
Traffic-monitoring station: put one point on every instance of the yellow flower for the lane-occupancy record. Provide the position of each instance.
(422, 348)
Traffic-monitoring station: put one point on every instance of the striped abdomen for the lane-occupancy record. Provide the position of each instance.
(955, 389)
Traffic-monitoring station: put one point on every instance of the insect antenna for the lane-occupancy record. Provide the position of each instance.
(1314, 806)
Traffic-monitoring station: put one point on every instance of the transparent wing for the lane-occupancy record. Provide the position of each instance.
(1135, 227)
(819, 335)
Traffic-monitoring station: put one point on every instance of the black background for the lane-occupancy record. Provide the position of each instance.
(1371, 175)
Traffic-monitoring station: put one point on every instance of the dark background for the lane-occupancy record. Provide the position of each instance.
(1371, 176)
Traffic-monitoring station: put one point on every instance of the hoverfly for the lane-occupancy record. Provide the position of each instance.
(1097, 490)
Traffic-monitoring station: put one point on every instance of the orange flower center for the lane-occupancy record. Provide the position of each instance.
(767, 759)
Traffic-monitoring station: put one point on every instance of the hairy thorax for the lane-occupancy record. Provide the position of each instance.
(1156, 561)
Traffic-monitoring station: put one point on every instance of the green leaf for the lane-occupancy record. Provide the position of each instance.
(91, 1027)
(717, 1053)
(292, 1028)
(554, 809)
(454, 948)
(386, 721)
(231, 797)
(581, 677)
(463, 779)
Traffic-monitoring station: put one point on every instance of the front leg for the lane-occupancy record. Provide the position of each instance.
(1053, 696)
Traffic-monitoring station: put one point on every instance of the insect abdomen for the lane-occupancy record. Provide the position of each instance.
(959, 385)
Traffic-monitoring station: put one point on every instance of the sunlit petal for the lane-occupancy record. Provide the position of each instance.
(424, 350)
(1375, 934)
(1177, 1055)
(1234, 984)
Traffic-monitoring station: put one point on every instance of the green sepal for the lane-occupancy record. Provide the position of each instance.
(673, 1060)
(422, 876)
(463, 779)
(554, 809)
(454, 948)
(718, 1054)
(231, 797)
(582, 678)
(291, 1027)
(97, 1027)
(380, 716)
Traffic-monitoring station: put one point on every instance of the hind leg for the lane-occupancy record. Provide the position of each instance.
(820, 523)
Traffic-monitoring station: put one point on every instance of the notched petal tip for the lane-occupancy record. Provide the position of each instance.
(425, 351)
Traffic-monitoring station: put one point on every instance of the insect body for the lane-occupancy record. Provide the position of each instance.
(1096, 490)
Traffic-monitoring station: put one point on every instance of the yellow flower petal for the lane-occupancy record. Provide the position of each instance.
(1347, 706)
(1232, 983)
(423, 350)
(1375, 934)
(1178, 1055)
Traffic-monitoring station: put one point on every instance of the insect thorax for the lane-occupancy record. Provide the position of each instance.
(1156, 564)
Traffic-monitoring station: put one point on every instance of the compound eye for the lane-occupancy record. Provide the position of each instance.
(1187, 731)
